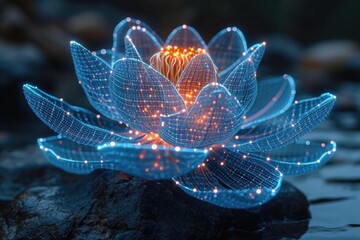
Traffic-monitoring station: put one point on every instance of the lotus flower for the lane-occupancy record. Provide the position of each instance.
(185, 110)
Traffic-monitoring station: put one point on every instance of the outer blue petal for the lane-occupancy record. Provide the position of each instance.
(255, 53)
(227, 46)
(153, 161)
(93, 75)
(214, 117)
(120, 32)
(199, 72)
(242, 84)
(146, 161)
(145, 43)
(230, 180)
(75, 123)
(141, 94)
(184, 37)
(274, 97)
(70, 156)
(301, 118)
(299, 158)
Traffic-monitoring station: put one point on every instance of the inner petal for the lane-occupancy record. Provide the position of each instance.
(172, 60)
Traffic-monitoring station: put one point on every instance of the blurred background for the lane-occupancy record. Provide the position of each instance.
(314, 41)
(317, 42)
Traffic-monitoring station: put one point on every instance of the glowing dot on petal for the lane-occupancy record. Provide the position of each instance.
(268, 159)
(177, 182)
(154, 146)
(177, 148)
(298, 163)
(184, 26)
(216, 190)
(292, 125)
(194, 190)
(323, 144)
(258, 191)
(86, 162)
(273, 190)
(98, 116)
(112, 144)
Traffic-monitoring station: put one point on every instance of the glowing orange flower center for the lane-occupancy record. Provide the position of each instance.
(171, 61)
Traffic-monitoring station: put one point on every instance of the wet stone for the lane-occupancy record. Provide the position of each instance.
(108, 204)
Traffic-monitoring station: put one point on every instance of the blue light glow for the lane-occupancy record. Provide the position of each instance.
(185, 110)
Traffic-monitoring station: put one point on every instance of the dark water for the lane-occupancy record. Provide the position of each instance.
(334, 190)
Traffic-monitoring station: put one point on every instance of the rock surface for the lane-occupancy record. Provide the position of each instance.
(111, 205)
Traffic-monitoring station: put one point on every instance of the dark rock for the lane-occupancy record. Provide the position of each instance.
(26, 168)
(105, 204)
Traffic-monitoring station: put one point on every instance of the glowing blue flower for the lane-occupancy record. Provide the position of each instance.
(193, 112)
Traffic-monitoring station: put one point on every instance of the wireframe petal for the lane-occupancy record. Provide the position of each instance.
(145, 43)
(144, 161)
(120, 32)
(93, 75)
(130, 49)
(242, 84)
(255, 53)
(298, 158)
(231, 180)
(214, 117)
(227, 46)
(199, 72)
(77, 124)
(153, 161)
(299, 119)
(184, 37)
(141, 94)
(71, 156)
(274, 96)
